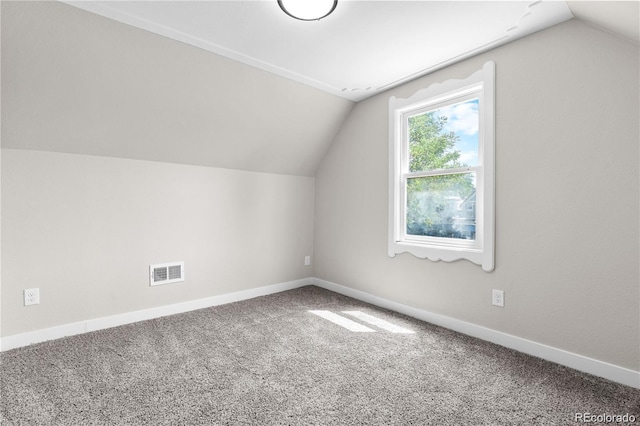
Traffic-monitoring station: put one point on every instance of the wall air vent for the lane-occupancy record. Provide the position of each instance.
(166, 273)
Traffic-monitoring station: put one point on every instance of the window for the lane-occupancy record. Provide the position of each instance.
(441, 197)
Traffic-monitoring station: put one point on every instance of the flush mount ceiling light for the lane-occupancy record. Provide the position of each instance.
(308, 10)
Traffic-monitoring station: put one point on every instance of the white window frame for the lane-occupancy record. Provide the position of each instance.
(481, 85)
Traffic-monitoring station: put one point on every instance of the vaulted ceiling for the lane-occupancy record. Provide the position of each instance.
(76, 82)
(364, 47)
(619, 17)
(361, 49)
(236, 84)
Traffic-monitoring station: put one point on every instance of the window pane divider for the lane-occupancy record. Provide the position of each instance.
(441, 172)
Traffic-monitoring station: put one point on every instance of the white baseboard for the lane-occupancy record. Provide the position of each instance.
(37, 336)
(578, 362)
(588, 365)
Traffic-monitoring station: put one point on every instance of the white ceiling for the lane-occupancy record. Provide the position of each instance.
(94, 86)
(363, 48)
(620, 17)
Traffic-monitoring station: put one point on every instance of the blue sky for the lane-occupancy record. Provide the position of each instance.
(464, 121)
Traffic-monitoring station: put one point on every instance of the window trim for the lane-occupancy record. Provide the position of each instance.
(480, 84)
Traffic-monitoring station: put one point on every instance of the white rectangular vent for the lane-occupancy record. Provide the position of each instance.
(165, 273)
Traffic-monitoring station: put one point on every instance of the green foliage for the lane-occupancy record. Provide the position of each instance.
(430, 209)
(430, 146)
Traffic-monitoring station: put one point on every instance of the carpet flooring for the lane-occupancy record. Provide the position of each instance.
(271, 361)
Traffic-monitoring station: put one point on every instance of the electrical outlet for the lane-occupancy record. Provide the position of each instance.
(498, 298)
(307, 260)
(31, 296)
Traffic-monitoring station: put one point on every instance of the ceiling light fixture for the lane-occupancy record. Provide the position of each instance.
(308, 10)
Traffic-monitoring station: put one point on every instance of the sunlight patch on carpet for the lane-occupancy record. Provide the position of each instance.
(380, 323)
(343, 322)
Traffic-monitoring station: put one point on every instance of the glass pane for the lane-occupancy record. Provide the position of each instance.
(444, 138)
(442, 206)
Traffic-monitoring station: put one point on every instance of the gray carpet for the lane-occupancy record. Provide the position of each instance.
(270, 361)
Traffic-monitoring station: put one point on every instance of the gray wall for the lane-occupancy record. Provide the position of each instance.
(83, 226)
(567, 138)
(80, 83)
(85, 101)
(84, 229)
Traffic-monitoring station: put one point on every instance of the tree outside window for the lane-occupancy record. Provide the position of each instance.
(443, 205)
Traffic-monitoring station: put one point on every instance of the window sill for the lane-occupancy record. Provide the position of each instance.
(446, 253)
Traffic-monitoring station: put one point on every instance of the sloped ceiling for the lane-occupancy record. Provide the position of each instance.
(76, 82)
(619, 17)
(361, 49)
(271, 96)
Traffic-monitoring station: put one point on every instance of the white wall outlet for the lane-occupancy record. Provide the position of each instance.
(31, 296)
(498, 298)
(307, 260)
